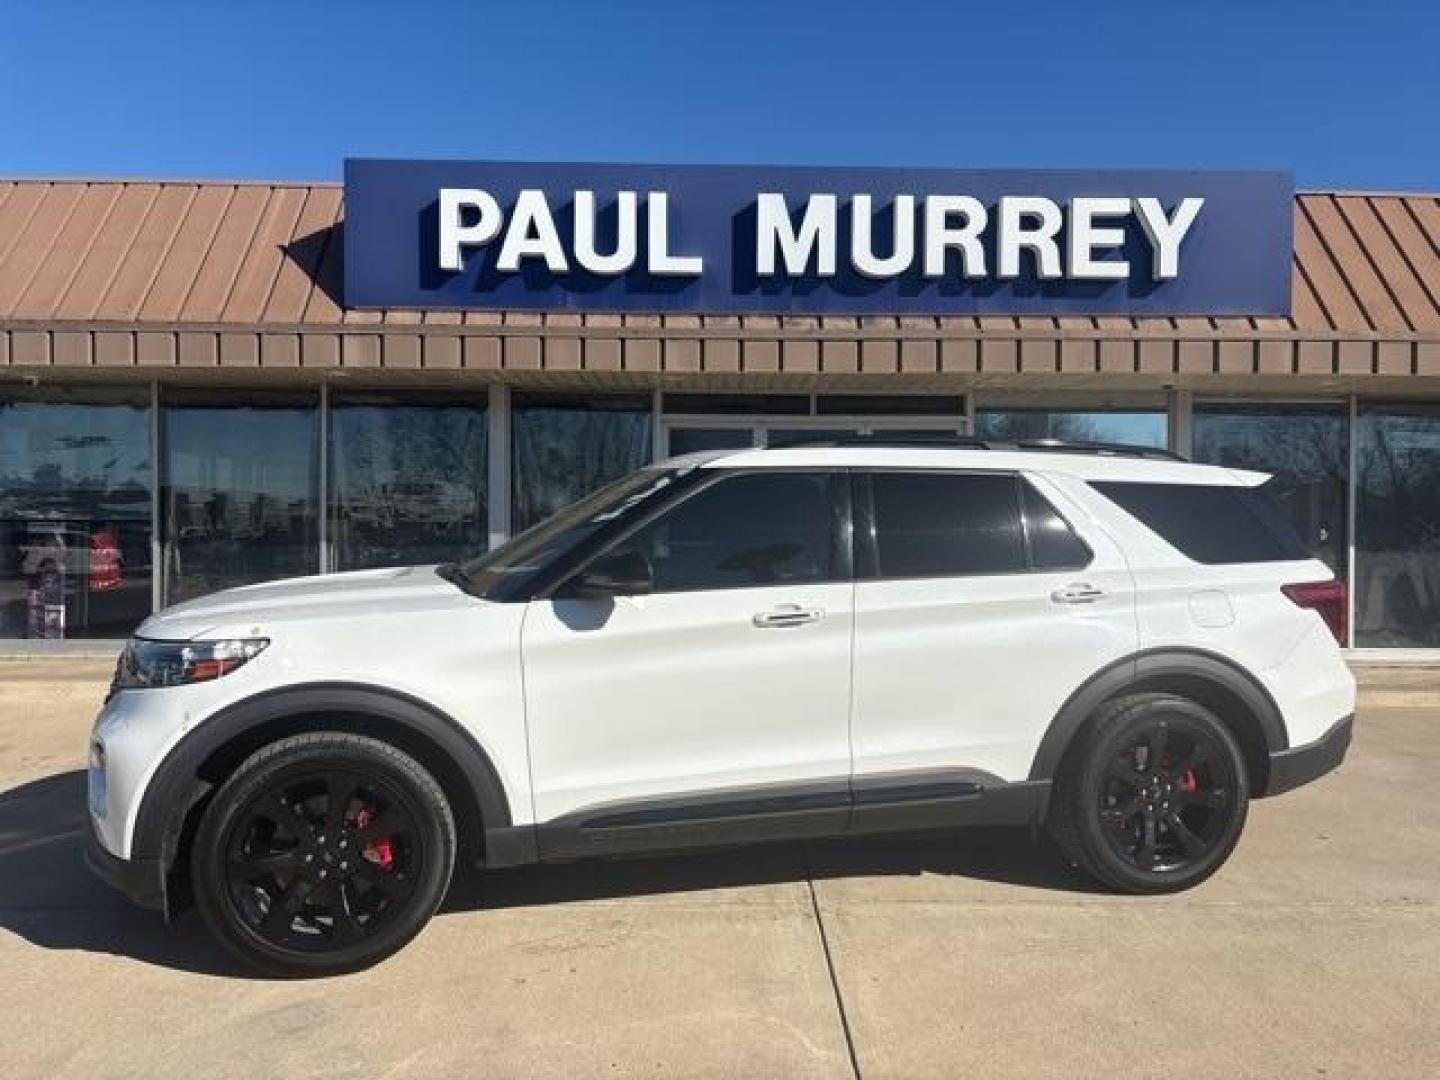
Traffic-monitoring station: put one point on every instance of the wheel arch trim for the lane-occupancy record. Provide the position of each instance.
(177, 783)
(1132, 673)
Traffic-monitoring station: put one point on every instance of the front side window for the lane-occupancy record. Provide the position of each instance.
(502, 573)
(752, 530)
(946, 524)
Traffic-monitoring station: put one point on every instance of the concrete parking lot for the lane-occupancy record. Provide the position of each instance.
(1314, 953)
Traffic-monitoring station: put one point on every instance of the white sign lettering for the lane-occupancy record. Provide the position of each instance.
(1082, 240)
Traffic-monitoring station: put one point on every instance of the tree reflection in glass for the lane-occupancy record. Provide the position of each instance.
(1136, 427)
(1397, 599)
(565, 448)
(1307, 450)
(408, 482)
(240, 496)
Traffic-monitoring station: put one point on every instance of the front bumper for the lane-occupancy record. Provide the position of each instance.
(1301, 764)
(142, 880)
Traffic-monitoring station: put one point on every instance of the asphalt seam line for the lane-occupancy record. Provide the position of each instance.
(834, 980)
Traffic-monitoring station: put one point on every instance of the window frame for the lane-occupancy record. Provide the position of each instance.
(553, 581)
(867, 549)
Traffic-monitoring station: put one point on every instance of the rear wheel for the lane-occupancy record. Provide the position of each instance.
(323, 853)
(1154, 796)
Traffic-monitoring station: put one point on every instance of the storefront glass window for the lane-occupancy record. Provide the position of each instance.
(75, 510)
(1397, 527)
(407, 481)
(1307, 450)
(691, 440)
(240, 493)
(1137, 427)
(563, 448)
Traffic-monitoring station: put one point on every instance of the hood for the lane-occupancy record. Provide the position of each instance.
(253, 610)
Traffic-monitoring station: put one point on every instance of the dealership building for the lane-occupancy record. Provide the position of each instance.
(207, 384)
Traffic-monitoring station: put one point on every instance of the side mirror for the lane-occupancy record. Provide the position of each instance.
(618, 573)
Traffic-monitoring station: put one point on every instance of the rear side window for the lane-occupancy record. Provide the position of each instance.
(940, 525)
(1210, 523)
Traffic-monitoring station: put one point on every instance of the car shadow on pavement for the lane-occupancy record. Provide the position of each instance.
(49, 897)
(1005, 856)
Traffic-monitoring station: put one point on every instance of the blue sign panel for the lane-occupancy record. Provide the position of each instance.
(722, 238)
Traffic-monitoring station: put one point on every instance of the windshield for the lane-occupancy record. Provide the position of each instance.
(490, 575)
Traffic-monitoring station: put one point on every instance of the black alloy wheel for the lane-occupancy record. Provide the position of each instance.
(323, 853)
(326, 859)
(1154, 795)
(1164, 798)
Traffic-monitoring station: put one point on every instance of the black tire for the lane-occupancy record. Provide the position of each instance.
(1152, 796)
(291, 894)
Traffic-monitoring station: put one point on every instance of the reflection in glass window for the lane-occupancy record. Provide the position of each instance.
(1140, 427)
(563, 448)
(74, 516)
(1306, 448)
(691, 440)
(1397, 526)
(762, 529)
(407, 482)
(938, 524)
(240, 495)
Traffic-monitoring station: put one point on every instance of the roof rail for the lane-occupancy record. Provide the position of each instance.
(976, 442)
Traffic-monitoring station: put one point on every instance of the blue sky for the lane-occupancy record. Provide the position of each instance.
(1346, 94)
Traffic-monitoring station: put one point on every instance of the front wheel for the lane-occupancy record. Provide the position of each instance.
(323, 853)
(1153, 797)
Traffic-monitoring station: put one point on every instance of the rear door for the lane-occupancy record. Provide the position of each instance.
(979, 608)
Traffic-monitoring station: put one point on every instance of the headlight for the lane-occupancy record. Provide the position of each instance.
(175, 663)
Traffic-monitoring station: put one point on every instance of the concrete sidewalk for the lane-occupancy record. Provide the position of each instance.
(1314, 953)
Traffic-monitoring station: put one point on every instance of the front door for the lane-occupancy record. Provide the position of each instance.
(722, 697)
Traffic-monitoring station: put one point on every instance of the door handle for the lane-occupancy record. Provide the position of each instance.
(783, 615)
(1081, 592)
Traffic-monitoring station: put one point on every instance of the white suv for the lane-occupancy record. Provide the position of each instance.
(727, 648)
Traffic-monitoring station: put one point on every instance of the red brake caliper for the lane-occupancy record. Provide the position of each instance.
(1187, 781)
(378, 851)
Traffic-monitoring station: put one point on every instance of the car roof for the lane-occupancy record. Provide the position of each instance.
(1083, 466)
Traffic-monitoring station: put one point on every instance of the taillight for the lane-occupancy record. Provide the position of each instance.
(1329, 598)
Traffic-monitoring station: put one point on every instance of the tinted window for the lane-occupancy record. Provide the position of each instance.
(1210, 524)
(936, 524)
(1053, 544)
(502, 572)
(744, 531)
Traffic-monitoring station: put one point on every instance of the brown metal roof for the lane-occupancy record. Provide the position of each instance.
(252, 260)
